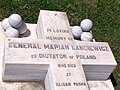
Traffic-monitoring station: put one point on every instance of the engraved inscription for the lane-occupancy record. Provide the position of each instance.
(58, 31)
(55, 38)
(65, 84)
(66, 65)
(85, 56)
(46, 46)
(56, 47)
(24, 45)
(89, 48)
(53, 56)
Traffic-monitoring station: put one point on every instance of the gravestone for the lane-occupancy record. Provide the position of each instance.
(55, 25)
(57, 64)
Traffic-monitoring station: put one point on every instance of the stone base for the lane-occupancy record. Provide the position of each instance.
(101, 85)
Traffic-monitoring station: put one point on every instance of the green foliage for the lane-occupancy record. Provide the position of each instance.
(105, 15)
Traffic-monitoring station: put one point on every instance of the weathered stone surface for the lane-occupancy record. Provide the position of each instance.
(101, 85)
(53, 25)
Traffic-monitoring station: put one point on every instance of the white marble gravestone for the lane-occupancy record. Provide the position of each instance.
(21, 67)
(96, 66)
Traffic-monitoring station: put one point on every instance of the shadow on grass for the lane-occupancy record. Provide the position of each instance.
(113, 80)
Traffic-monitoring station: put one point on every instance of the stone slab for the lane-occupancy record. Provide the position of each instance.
(53, 25)
(101, 85)
(89, 54)
(20, 85)
(32, 61)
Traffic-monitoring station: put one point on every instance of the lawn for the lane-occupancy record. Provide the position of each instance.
(105, 15)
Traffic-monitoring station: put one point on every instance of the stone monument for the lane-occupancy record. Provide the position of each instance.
(56, 58)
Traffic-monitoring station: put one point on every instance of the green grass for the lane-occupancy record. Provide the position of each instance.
(105, 15)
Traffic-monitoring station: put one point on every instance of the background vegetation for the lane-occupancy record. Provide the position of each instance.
(105, 15)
